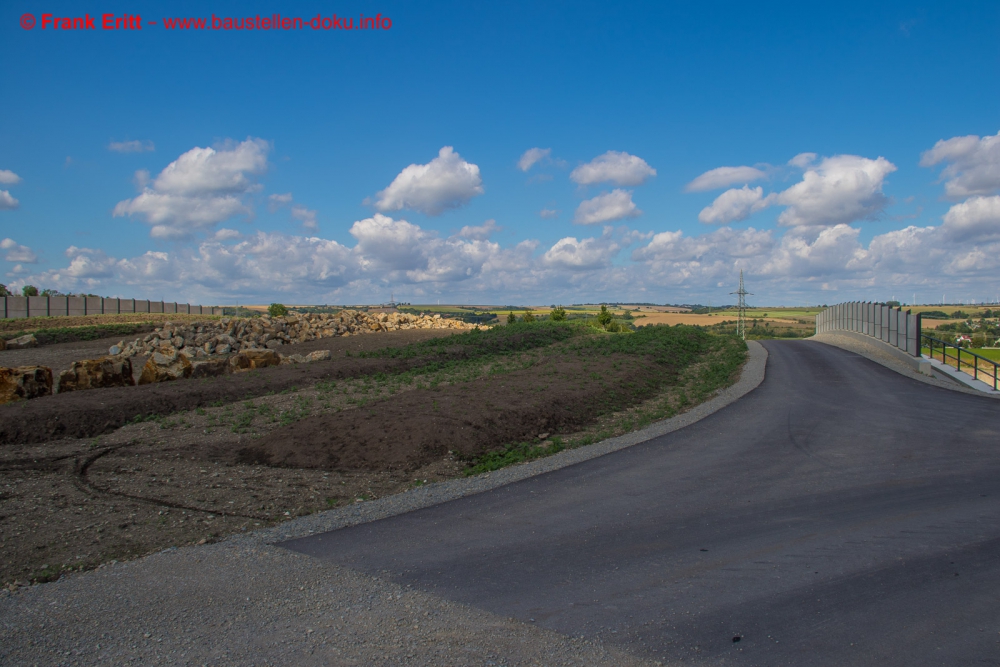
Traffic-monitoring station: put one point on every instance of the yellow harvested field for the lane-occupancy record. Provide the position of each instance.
(678, 318)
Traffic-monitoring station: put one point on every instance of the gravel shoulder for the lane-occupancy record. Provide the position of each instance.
(246, 600)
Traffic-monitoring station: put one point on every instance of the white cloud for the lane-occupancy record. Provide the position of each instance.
(306, 216)
(548, 213)
(480, 233)
(616, 167)
(274, 202)
(802, 160)
(834, 252)
(722, 177)
(17, 252)
(7, 177)
(614, 205)
(135, 146)
(975, 219)
(974, 164)
(841, 189)
(7, 201)
(532, 156)
(735, 204)
(176, 217)
(581, 255)
(446, 182)
(201, 188)
(226, 234)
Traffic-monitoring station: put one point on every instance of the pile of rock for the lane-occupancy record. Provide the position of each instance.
(229, 335)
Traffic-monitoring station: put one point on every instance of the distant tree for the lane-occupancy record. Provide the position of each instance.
(557, 314)
(51, 292)
(277, 310)
(4, 291)
(511, 318)
(892, 304)
(29, 290)
(528, 317)
(604, 317)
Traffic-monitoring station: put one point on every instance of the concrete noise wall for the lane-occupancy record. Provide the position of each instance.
(891, 325)
(53, 306)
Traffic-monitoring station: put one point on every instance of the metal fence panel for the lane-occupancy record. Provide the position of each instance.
(77, 305)
(17, 306)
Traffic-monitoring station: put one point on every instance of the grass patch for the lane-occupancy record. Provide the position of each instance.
(54, 335)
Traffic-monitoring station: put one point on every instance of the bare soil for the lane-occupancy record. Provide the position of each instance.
(83, 482)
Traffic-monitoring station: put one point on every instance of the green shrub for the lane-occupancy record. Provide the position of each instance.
(558, 314)
(511, 318)
(604, 318)
(528, 317)
(277, 310)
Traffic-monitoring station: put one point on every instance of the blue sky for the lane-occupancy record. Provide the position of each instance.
(159, 163)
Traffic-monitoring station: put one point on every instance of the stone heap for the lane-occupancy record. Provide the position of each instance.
(197, 340)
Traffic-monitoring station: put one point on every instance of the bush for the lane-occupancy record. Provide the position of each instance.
(528, 317)
(604, 318)
(277, 310)
(558, 314)
(511, 318)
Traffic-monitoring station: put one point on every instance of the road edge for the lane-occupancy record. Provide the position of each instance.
(751, 376)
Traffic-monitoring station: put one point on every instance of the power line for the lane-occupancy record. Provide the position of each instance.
(741, 323)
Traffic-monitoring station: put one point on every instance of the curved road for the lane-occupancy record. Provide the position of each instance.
(838, 514)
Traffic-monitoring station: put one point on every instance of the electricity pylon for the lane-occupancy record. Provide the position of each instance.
(741, 324)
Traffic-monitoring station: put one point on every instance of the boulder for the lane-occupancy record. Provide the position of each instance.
(22, 342)
(273, 344)
(97, 374)
(319, 355)
(251, 359)
(164, 365)
(209, 367)
(3, 343)
(24, 382)
(294, 359)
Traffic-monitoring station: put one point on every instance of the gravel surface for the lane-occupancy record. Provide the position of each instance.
(247, 601)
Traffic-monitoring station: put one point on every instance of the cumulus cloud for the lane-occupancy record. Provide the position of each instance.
(548, 213)
(722, 177)
(841, 189)
(581, 255)
(306, 216)
(17, 252)
(135, 146)
(975, 219)
(444, 183)
(614, 205)
(480, 233)
(7, 201)
(7, 177)
(973, 164)
(735, 204)
(201, 188)
(532, 156)
(615, 167)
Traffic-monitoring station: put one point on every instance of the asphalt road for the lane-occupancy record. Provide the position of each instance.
(838, 514)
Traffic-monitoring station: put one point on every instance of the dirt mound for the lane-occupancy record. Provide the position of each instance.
(421, 426)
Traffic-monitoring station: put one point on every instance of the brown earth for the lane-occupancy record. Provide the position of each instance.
(196, 472)
(466, 419)
(88, 413)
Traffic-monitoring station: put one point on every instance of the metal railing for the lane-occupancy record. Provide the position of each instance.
(979, 367)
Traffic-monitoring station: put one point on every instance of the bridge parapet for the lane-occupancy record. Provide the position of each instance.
(891, 325)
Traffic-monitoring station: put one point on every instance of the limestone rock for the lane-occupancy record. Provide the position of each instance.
(165, 364)
(294, 359)
(319, 355)
(97, 374)
(22, 342)
(273, 344)
(206, 368)
(251, 359)
(24, 382)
